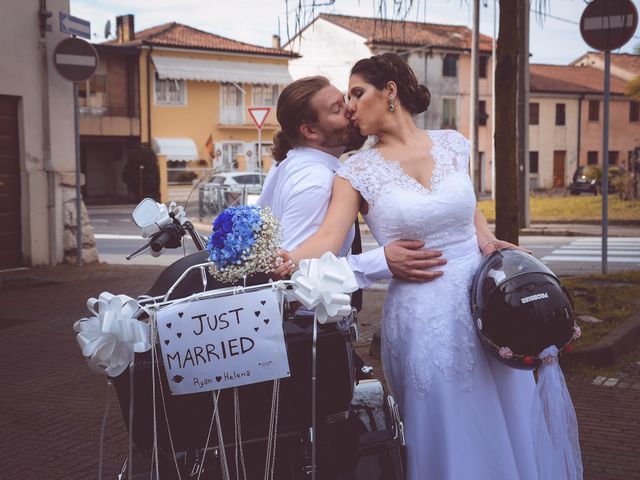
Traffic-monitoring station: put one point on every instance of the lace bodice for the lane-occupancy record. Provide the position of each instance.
(427, 327)
(401, 208)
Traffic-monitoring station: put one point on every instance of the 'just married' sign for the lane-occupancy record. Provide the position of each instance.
(223, 342)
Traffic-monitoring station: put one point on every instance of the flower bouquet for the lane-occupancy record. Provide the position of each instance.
(244, 241)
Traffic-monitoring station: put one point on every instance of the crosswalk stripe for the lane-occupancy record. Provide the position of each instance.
(592, 258)
(582, 251)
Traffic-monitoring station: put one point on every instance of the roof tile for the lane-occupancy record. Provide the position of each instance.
(183, 36)
(570, 79)
(398, 32)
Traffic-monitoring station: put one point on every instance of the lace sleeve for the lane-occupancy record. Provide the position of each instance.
(358, 170)
(463, 152)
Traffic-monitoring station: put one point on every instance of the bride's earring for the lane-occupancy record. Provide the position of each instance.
(392, 107)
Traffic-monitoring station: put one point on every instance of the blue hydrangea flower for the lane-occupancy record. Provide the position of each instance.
(234, 234)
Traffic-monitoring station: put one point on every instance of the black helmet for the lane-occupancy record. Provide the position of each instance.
(520, 308)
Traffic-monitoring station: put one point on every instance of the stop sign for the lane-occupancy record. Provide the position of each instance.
(75, 59)
(608, 24)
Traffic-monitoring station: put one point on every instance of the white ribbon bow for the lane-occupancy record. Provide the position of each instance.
(324, 284)
(111, 338)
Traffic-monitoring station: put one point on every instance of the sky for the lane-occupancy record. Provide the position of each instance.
(555, 39)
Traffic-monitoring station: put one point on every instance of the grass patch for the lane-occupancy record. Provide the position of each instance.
(571, 209)
(611, 298)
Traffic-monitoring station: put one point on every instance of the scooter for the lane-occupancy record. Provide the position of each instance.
(359, 432)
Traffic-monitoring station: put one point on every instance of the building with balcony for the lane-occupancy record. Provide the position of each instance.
(109, 104)
(193, 89)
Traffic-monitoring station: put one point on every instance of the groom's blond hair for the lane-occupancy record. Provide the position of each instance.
(293, 110)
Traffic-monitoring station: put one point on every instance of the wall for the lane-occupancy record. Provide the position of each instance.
(547, 137)
(328, 50)
(623, 135)
(47, 167)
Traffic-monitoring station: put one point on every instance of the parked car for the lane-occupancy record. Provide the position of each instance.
(229, 189)
(588, 179)
(236, 178)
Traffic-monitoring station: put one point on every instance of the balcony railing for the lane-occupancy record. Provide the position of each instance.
(108, 111)
(232, 115)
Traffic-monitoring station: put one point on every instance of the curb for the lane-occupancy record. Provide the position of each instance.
(609, 348)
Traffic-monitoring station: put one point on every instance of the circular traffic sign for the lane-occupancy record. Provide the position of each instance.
(75, 59)
(608, 24)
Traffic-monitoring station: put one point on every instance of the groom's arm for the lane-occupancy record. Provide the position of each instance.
(402, 259)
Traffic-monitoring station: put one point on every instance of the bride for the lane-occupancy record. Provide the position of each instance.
(466, 415)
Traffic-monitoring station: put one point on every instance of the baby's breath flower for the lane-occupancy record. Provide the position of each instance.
(244, 241)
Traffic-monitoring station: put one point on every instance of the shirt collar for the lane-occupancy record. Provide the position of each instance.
(316, 156)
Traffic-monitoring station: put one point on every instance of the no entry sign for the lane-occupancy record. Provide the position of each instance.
(608, 24)
(75, 59)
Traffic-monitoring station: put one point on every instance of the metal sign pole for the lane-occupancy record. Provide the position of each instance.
(605, 160)
(260, 152)
(78, 191)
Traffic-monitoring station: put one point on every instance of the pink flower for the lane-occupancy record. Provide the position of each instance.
(505, 352)
(576, 333)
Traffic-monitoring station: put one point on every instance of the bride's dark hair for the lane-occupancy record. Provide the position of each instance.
(381, 69)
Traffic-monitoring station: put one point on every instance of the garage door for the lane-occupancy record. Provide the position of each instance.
(10, 249)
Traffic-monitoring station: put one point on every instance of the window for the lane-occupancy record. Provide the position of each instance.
(534, 113)
(560, 114)
(614, 156)
(594, 110)
(450, 65)
(482, 113)
(592, 158)
(533, 162)
(483, 66)
(230, 150)
(264, 95)
(170, 92)
(449, 113)
(634, 111)
(231, 104)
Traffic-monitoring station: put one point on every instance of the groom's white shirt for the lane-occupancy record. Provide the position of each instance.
(298, 191)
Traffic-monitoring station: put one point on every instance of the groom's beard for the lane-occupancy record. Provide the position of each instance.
(348, 137)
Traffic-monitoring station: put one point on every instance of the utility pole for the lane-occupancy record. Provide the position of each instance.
(473, 111)
(522, 119)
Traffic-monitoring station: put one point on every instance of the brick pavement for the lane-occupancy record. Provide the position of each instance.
(52, 404)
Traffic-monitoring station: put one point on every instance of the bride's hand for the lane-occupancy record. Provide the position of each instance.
(283, 265)
(492, 245)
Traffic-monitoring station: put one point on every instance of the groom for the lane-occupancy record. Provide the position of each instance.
(315, 132)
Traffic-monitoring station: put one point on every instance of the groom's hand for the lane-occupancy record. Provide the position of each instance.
(407, 261)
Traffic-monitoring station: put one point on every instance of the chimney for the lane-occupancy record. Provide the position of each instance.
(275, 41)
(124, 28)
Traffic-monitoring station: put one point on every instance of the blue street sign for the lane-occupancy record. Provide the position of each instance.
(75, 26)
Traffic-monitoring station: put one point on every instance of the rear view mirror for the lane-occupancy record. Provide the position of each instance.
(147, 213)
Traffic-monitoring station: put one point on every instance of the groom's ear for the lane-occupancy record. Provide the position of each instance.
(309, 131)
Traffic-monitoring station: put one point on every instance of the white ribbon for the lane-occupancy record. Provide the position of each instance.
(555, 428)
(324, 284)
(111, 338)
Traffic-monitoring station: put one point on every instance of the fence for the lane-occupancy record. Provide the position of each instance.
(212, 199)
(181, 176)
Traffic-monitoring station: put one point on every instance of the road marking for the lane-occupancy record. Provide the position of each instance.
(594, 258)
(115, 236)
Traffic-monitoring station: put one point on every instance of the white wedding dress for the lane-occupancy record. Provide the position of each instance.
(466, 415)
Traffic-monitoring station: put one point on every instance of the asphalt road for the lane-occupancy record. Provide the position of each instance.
(117, 236)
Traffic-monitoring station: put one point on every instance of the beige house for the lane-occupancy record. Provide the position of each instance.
(440, 55)
(192, 90)
(566, 120)
(37, 143)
